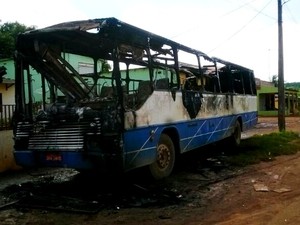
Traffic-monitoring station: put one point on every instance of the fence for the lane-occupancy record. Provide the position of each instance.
(6, 114)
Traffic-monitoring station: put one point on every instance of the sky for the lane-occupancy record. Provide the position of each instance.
(244, 32)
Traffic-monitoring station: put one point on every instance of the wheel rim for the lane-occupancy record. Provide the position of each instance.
(163, 156)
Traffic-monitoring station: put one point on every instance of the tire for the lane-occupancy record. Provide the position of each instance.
(235, 139)
(165, 159)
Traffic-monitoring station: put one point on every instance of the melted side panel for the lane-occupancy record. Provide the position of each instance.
(160, 108)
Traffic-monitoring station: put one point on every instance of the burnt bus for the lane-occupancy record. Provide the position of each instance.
(136, 100)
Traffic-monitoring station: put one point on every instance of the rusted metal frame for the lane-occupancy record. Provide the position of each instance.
(116, 75)
(243, 74)
(250, 76)
(230, 63)
(95, 76)
(43, 92)
(150, 62)
(163, 65)
(30, 96)
(77, 75)
(20, 90)
(218, 77)
(52, 92)
(241, 69)
(176, 67)
(227, 70)
(63, 78)
(59, 81)
(201, 71)
(127, 79)
(230, 78)
(243, 83)
(200, 67)
(253, 84)
(156, 38)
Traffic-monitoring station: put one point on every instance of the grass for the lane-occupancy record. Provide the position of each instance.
(265, 148)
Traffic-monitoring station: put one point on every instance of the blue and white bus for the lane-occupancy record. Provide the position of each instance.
(141, 101)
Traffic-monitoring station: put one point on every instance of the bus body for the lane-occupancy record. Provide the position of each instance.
(142, 100)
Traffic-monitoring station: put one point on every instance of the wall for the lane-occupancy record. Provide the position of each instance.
(10, 68)
(7, 161)
(8, 90)
(8, 94)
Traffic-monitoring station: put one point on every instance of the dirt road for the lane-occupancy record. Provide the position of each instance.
(270, 124)
(267, 193)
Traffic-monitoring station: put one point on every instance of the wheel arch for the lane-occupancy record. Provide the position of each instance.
(240, 120)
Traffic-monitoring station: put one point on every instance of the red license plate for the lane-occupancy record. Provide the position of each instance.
(53, 157)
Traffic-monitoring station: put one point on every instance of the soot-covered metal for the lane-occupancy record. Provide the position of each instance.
(86, 106)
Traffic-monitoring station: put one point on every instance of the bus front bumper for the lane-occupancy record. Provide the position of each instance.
(63, 159)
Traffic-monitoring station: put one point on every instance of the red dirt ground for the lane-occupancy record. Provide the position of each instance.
(267, 193)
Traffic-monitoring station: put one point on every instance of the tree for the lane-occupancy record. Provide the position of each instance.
(275, 80)
(8, 37)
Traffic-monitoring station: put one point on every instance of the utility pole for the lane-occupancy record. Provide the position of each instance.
(281, 94)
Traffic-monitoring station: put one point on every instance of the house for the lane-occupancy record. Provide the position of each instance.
(7, 93)
(7, 88)
(267, 99)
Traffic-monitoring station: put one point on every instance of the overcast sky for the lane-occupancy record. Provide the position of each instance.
(240, 31)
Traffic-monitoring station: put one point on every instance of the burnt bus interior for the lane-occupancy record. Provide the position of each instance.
(128, 65)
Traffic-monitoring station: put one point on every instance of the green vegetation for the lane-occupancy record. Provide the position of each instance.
(8, 37)
(265, 148)
(293, 85)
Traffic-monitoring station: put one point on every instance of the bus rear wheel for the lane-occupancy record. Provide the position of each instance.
(235, 138)
(165, 158)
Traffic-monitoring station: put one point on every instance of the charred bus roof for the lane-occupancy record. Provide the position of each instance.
(92, 37)
(99, 39)
(231, 65)
(43, 49)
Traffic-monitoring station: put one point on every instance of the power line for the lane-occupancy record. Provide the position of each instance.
(250, 6)
(238, 8)
(242, 28)
(224, 15)
(289, 11)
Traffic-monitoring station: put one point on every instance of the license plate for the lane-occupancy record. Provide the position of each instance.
(53, 157)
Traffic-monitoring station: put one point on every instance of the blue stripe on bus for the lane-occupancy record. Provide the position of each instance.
(140, 147)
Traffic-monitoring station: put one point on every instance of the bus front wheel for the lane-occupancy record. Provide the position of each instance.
(165, 158)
